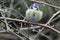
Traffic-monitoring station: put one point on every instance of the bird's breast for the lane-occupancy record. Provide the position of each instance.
(33, 15)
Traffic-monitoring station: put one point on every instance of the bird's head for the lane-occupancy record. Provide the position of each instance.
(34, 6)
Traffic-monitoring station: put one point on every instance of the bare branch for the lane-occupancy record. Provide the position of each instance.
(11, 7)
(5, 21)
(58, 12)
(55, 18)
(48, 23)
(17, 35)
(11, 4)
(25, 4)
(43, 25)
(50, 20)
(30, 28)
(46, 4)
(37, 35)
(44, 35)
(2, 31)
(20, 33)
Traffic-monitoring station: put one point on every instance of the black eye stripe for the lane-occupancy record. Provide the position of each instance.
(36, 6)
(31, 7)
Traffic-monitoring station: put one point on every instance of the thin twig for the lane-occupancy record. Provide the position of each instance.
(58, 12)
(37, 35)
(25, 4)
(17, 35)
(2, 31)
(11, 7)
(20, 32)
(55, 18)
(46, 4)
(43, 25)
(30, 28)
(17, 12)
(11, 3)
(16, 4)
(50, 20)
(3, 15)
(44, 35)
(48, 23)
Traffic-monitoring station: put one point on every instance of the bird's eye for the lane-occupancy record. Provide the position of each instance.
(31, 7)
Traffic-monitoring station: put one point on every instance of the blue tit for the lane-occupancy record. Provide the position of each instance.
(33, 14)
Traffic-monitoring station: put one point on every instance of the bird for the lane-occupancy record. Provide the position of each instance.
(33, 13)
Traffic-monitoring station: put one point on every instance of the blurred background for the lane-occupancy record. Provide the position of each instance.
(17, 9)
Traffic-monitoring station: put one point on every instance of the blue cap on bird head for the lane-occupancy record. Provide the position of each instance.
(34, 6)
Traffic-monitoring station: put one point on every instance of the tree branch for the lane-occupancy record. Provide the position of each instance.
(44, 35)
(58, 12)
(50, 20)
(43, 25)
(35, 27)
(20, 33)
(46, 4)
